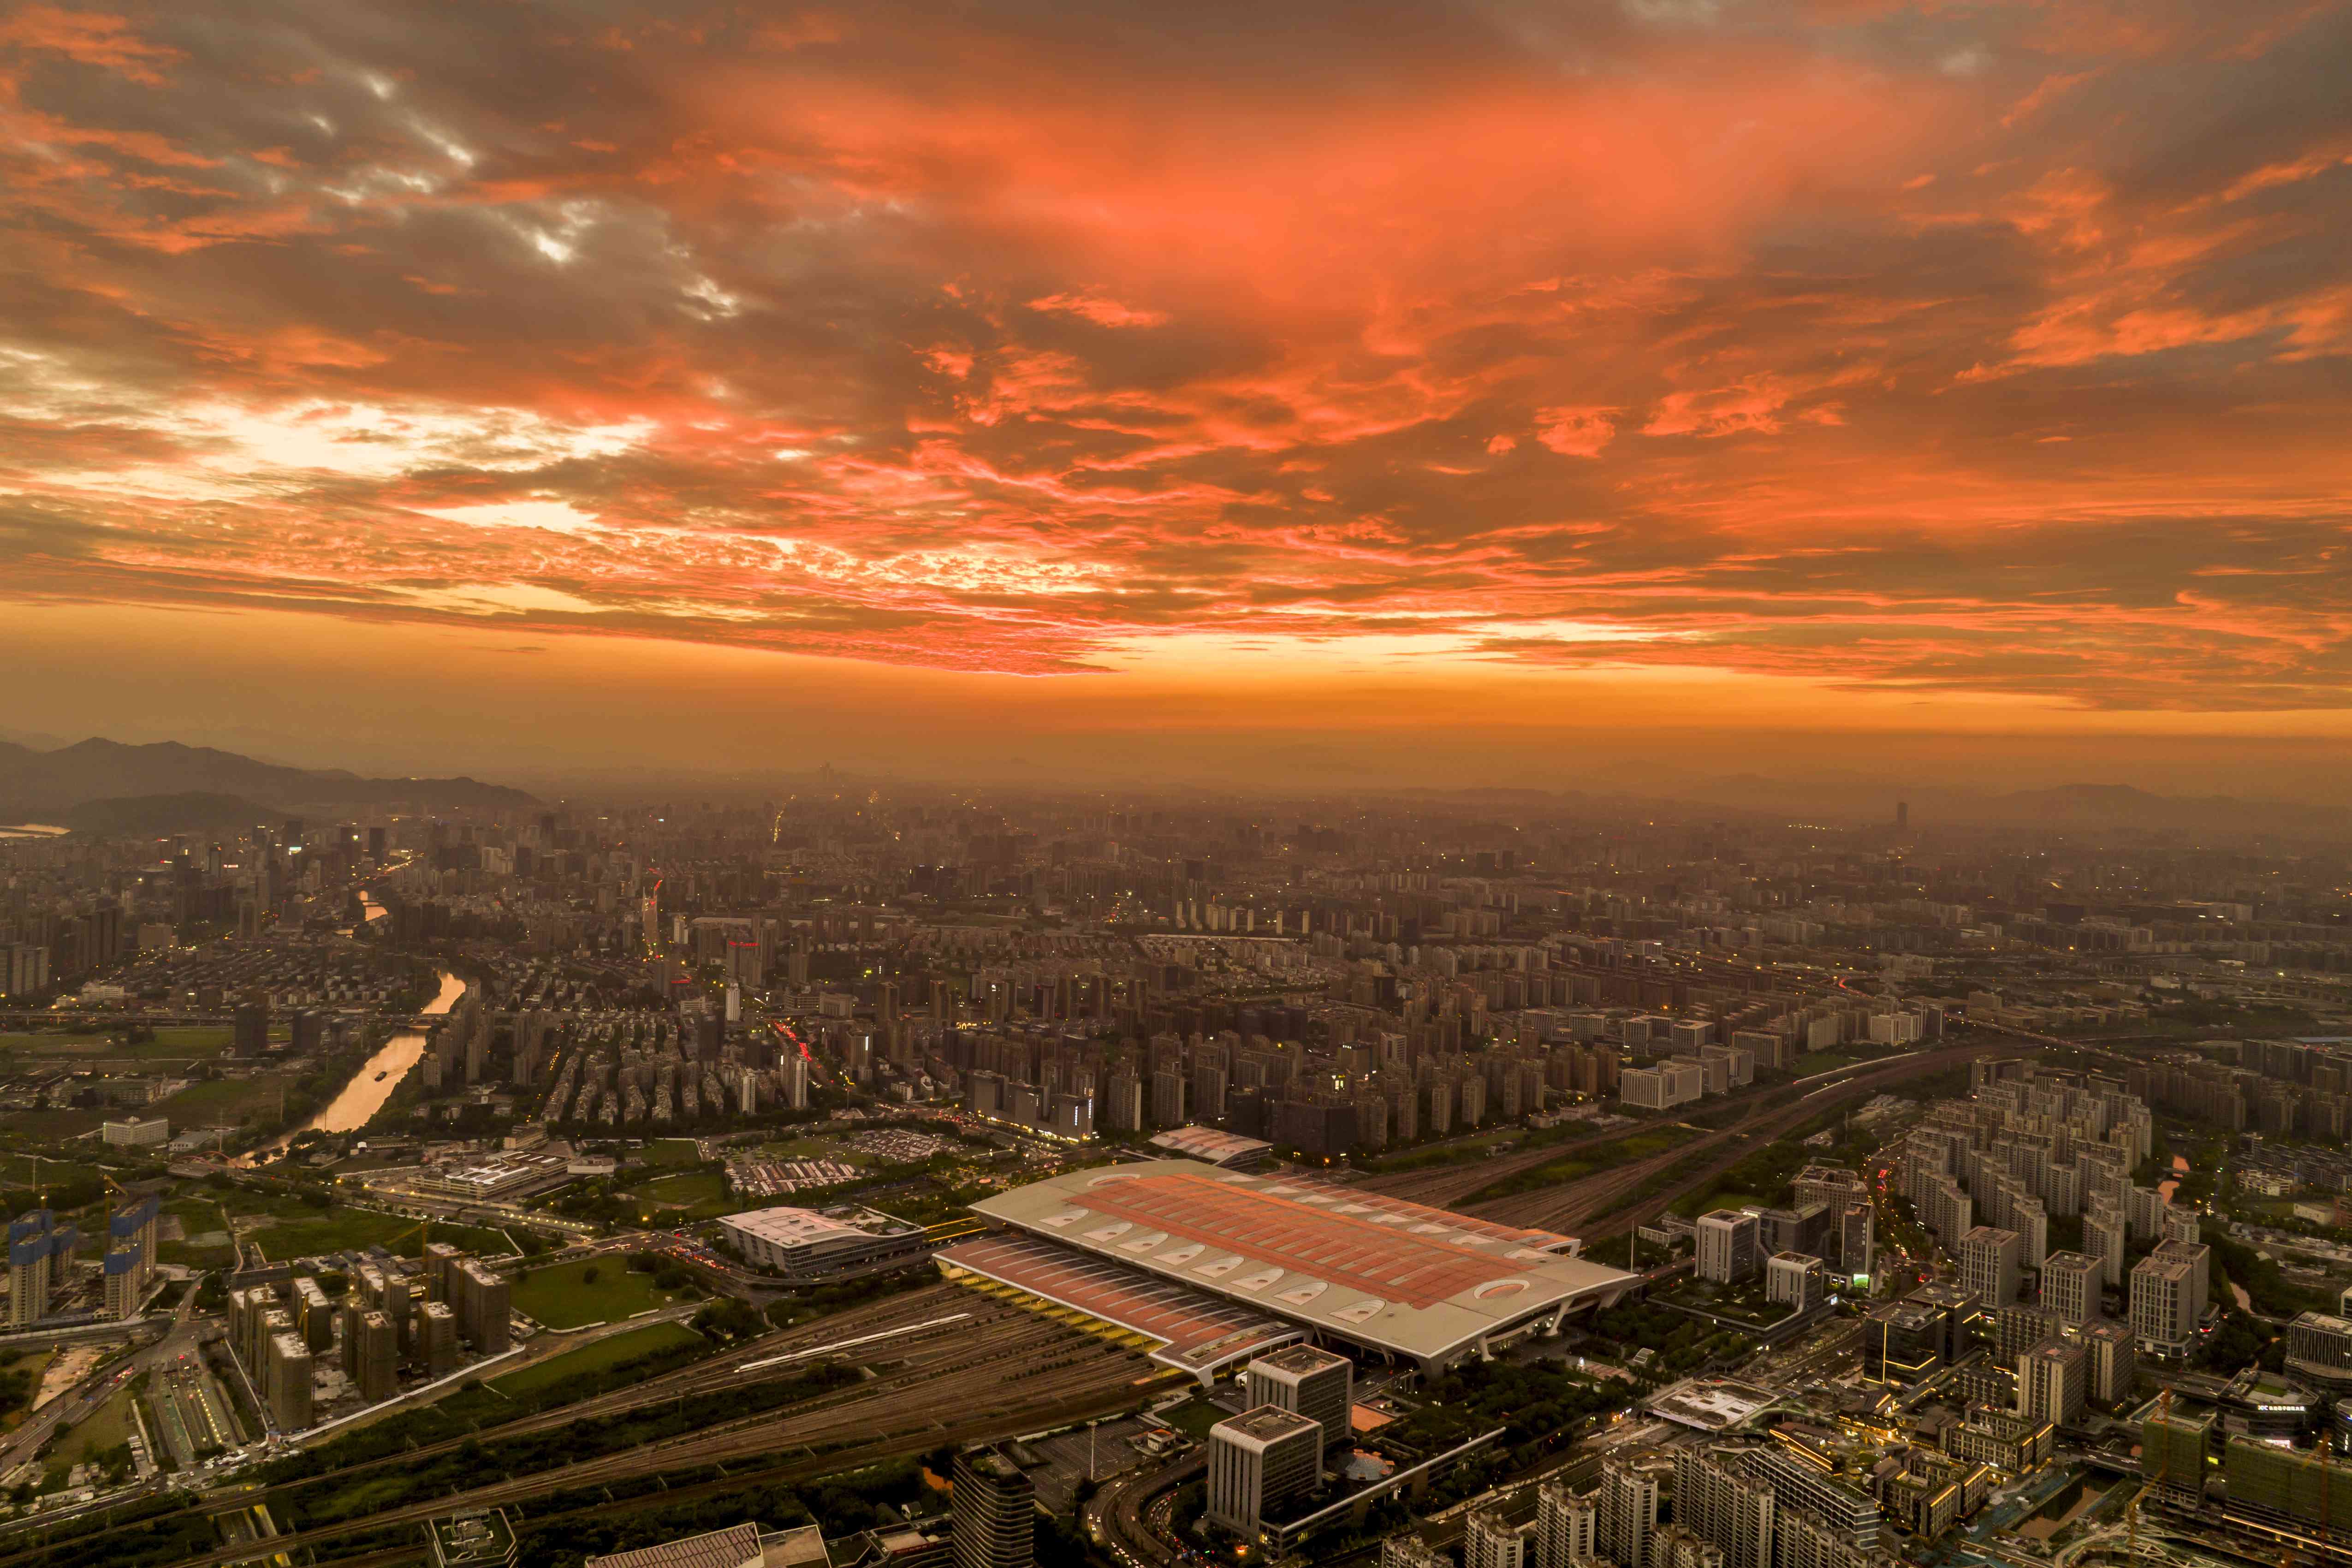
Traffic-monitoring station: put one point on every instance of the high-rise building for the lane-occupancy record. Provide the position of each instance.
(1734, 1511)
(130, 1233)
(1168, 1098)
(1491, 1540)
(436, 1338)
(1410, 1550)
(1792, 1278)
(286, 1381)
(2104, 1239)
(40, 1258)
(1729, 1249)
(1306, 1382)
(2166, 1300)
(1629, 1514)
(377, 1358)
(2113, 1362)
(2053, 1382)
(1989, 1265)
(2173, 1453)
(2070, 1288)
(1858, 1233)
(249, 1034)
(1567, 1526)
(1259, 1461)
(482, 1306)
(994, 1511)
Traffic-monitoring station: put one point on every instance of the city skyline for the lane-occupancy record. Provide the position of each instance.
(1403, 393)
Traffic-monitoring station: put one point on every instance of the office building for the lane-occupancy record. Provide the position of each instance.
(137, 1131)
(1800, 1281)
(1728, 1245)
(1989, 1260)
(249, 1034)
(2166, 1300)
(1858, 1243)
(2053, 1382)
(1260, 1462)
(1306, 1382)
(2070, 1288)
(2113, 1362)
(994, 1511)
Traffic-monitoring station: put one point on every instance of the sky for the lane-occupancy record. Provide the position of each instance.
(1400, 389)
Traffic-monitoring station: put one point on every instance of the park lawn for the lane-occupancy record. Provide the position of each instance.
(560, 1297)
(669, 1152)
(594, 1358)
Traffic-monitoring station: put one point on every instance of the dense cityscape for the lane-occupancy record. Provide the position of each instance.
(874, 1172)
(1261, 784)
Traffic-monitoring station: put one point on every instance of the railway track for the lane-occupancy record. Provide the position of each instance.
(946, 1347)
(1107, 1381)
(1575, 1206)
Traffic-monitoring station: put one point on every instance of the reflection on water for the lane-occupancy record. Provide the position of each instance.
(373, 1084)
(2166, 1188)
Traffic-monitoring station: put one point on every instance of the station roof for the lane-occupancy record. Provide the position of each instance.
(1199, 1332)
(1376, 1271)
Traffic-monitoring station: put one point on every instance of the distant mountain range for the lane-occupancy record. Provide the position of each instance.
(105, 786)
(2075, 808)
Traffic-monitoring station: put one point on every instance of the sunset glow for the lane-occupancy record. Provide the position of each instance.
(1843, 364)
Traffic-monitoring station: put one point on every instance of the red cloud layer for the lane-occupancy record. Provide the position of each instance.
(1870, 344)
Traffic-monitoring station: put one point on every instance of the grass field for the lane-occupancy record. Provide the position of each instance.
(185, 1042)
(670, 1151)
(223, 1102)
(197, 1216)
(106, 1426)
(696, 1194)
(52, 1124)
(315, 1231)
(562, 1296)
(593, 1358)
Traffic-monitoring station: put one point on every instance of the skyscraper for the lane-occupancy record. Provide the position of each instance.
(994, 1511)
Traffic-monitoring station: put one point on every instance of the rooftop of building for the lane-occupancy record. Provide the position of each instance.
(1299, 1360)
(1266, 1424)
(1371, 1270)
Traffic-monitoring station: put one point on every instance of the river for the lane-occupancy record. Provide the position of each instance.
(373, 1083)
